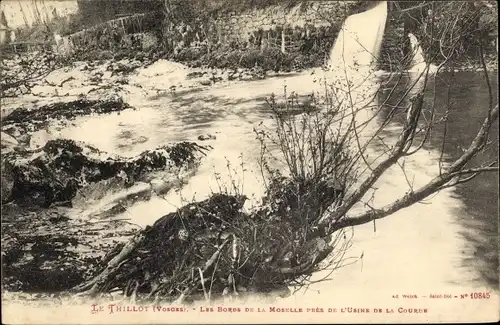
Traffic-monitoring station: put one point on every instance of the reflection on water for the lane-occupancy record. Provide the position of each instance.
(478, 218)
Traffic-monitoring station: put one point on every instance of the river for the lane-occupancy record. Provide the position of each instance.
(448, 242)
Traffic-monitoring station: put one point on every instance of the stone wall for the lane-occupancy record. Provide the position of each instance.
(27, 20)
(308, 29)
(130, 32)
(317, 13)
(95, 12)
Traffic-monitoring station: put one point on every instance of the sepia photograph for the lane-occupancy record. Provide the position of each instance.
(249, 161)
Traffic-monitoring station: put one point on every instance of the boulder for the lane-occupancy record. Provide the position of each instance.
(247, 76)
(206, 81)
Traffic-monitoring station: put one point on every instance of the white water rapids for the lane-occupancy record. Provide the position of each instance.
(415, 251)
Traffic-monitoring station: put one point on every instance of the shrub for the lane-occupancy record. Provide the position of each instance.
(229, 60)
(250, 58)
(189, 54)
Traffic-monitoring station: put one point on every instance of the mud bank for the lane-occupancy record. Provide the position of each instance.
(24, 120)
(44, 250)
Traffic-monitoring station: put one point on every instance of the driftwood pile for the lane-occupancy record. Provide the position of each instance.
(210, 249)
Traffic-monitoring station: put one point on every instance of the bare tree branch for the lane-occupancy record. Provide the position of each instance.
(433, 186)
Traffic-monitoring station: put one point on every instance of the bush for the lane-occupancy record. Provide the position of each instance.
(228, 60)
(251, 58)
(189, 54)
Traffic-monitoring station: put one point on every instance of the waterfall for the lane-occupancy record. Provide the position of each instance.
(356, 50)
(359, 40)
(417, 55)
(418, 63)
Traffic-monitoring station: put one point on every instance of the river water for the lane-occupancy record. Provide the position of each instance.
(451, 236)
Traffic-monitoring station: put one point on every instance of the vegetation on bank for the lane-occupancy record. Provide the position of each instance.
(44, 247)
(61, 167)
(184, 31)
(435, 25)
(263, 50)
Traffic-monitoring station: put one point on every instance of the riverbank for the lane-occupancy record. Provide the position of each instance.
(60, 198)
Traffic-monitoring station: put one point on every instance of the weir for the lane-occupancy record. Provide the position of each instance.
(418, 63)
(359, 41)
(353, 58)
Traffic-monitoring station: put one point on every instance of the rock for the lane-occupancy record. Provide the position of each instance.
(39, 139)
(225, 76)
(205, 137)
(122, 80)
(124, 62)
(24, 139)
(161, 186)
(107, 74)
(194, 74)
(240, 288)
(44, 91)
(13, 131)
(246, 77)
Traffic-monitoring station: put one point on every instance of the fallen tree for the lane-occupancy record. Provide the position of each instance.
(212, 248)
